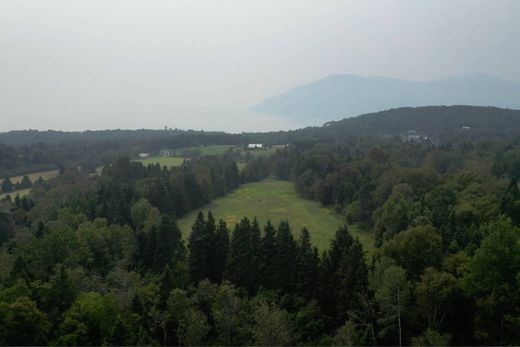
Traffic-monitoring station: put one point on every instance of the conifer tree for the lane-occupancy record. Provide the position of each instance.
(267, 257)
(151, 245)
(345, 275)
(285, 259)
(220, 251)
(198, 247)
(241, 257)
(7, 185)
(170, 247)
(307, 266)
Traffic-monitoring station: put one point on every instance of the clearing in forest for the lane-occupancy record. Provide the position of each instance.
(277, 200)
(163, 161)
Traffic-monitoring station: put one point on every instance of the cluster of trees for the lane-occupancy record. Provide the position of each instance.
(8, 186)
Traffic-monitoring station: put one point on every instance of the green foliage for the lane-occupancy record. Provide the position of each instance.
(494, 274)
(393, 296)
(271, 326)
(7, 185)
(431, 338)
(89, 321)
(22, 323)
(415, 249)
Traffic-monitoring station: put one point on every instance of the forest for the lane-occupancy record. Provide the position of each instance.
(27, 151)
(99, 259)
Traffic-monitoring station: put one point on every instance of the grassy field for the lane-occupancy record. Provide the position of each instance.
(20, 192)
(215, 149)
(278, 201)
(163, 161)
(262, 152)
(45, 175)
(203, 150)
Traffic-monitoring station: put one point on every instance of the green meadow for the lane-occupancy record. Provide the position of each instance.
(45, 175)
(277, 200)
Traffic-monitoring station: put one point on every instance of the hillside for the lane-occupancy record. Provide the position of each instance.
(436, 122)
(339, 96)
(278, 201)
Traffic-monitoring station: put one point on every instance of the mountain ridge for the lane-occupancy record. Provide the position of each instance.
(346, 95)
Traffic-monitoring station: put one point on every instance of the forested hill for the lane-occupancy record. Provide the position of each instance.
(436, 122)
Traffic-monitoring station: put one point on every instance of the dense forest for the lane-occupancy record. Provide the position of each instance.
(99, 259)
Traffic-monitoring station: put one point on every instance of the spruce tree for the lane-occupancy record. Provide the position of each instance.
(241, 257)
(25, 183)
(220, 251)
(307, 266)
(284, 271)
(232, 175)
(151, 245)
(345, 275)
(166, 285)
(267, 257)
(7, 185)
(170, 247)
(198, 247)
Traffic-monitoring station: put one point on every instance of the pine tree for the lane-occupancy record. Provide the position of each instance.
(209, 242)
(7, 185)
(267, 257)
(198, 247)
(220, 251)
(151, 245)
(25, 183)
(345, 275)
(241, 257)
(166, 285)
(307, 266)
(284, 271)
(170, 247)
(231, 175)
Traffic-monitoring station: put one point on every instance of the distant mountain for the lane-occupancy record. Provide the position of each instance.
(453, 123)
(340, 96)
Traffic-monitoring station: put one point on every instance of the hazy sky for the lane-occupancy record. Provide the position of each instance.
(75, 65)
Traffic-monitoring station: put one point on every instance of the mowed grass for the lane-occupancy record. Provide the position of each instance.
(204, 150)
(277, 200)
(163, 161)
(21, 192)
(45, 175)
(215, 149)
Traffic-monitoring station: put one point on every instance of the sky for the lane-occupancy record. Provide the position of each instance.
(89, 64)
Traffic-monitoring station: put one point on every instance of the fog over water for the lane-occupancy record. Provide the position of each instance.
(75, 65)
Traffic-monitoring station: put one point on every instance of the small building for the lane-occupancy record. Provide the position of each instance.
(255, 146)
(144, 155)
(165, 152)
(466, 127)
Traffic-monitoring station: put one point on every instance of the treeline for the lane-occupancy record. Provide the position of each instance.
(22, 152)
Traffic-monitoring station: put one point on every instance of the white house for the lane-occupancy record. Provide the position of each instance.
(166, 152)
(144, 155)
(255, 146)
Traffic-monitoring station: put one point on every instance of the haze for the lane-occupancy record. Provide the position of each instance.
(76, 65)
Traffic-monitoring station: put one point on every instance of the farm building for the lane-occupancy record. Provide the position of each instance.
(144, 155)
(165, 152)
(255, 146)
